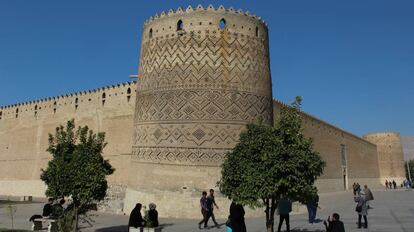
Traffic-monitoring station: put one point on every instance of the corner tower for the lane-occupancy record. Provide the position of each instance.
(390, 155)
(204, 75)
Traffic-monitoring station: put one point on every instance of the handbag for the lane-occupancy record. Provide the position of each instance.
(358, 208)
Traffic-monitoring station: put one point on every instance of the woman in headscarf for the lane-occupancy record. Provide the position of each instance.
(153, 215)
(135, 218)
(362, 208)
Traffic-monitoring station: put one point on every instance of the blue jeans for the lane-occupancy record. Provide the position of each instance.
(312, 212)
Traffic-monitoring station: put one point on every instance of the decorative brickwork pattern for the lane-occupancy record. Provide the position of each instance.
(199, 86)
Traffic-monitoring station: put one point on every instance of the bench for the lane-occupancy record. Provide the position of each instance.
(38, 224)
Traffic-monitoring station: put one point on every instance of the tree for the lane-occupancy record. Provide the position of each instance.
(269, 162)
(77, 169)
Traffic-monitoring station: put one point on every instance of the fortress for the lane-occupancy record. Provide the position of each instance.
(204, 74)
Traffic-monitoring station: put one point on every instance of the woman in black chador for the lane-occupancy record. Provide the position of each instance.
(236, 218)
(135, 219)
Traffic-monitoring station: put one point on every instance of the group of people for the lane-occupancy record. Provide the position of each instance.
(136, 220)
(52, 209)
(235, 222)
(207, 204)
(390, 184)
(362, 199)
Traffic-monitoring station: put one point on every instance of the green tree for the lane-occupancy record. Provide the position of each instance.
(269, 162)
(410, 164)
(77, 168)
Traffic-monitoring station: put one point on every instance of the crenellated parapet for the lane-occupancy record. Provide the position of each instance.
(200, 20)
(71, 101)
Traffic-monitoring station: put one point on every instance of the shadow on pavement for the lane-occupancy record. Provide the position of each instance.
(125, 228)
(306, 230)
(113, 229)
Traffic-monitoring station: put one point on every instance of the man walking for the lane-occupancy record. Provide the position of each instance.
(211, 203)
(204, 210)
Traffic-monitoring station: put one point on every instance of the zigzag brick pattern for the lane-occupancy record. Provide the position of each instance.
(198, 90)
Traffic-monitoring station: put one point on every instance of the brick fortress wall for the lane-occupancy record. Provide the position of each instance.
(24, 130)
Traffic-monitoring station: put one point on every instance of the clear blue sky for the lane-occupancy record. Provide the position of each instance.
(352, 61)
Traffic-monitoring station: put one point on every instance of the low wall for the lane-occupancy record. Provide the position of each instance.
(186, 204)
(16, 188)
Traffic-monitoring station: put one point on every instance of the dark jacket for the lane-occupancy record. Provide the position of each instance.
(135, 218)
(153, 217)
(47, 210)
(335, 226)
(236, 218)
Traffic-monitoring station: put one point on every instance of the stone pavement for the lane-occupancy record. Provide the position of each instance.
(393, 211)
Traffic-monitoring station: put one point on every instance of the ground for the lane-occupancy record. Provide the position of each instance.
(393, 211)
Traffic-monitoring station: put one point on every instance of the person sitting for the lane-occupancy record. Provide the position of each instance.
(57, 209)
(335, 225)
(47, 209)
(135, 218)
(153, 215)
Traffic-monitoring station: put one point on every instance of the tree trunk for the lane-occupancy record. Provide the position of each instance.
(75, 228)
(270, 214)
(269, 223)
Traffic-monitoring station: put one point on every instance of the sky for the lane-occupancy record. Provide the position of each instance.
(351, 61)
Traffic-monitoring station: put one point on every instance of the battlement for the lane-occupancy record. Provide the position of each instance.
(101, 95)
(209, 8)
(317, 123)
(202, 20)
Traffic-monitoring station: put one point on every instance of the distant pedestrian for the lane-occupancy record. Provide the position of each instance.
(354, 188)
(358, 188)
(211, 203)
(284, 208)
(389, 184)
(386, 184)
(236, 223)
(135, 218)
(204, 210)
(312, 206)
(362, 208)
(394, 184)
(334, 225)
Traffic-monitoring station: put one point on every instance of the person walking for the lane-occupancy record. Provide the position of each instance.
(284, 208)
(204, 210)
(334, 225)
(236, 223)
(394, 184)
(211, 203)
(386, 184)
(312, 206)
(362, 208)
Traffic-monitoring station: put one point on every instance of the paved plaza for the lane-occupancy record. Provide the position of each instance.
(393, 211)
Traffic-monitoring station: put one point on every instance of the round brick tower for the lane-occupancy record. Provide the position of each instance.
(390, 155)
(204, 75)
